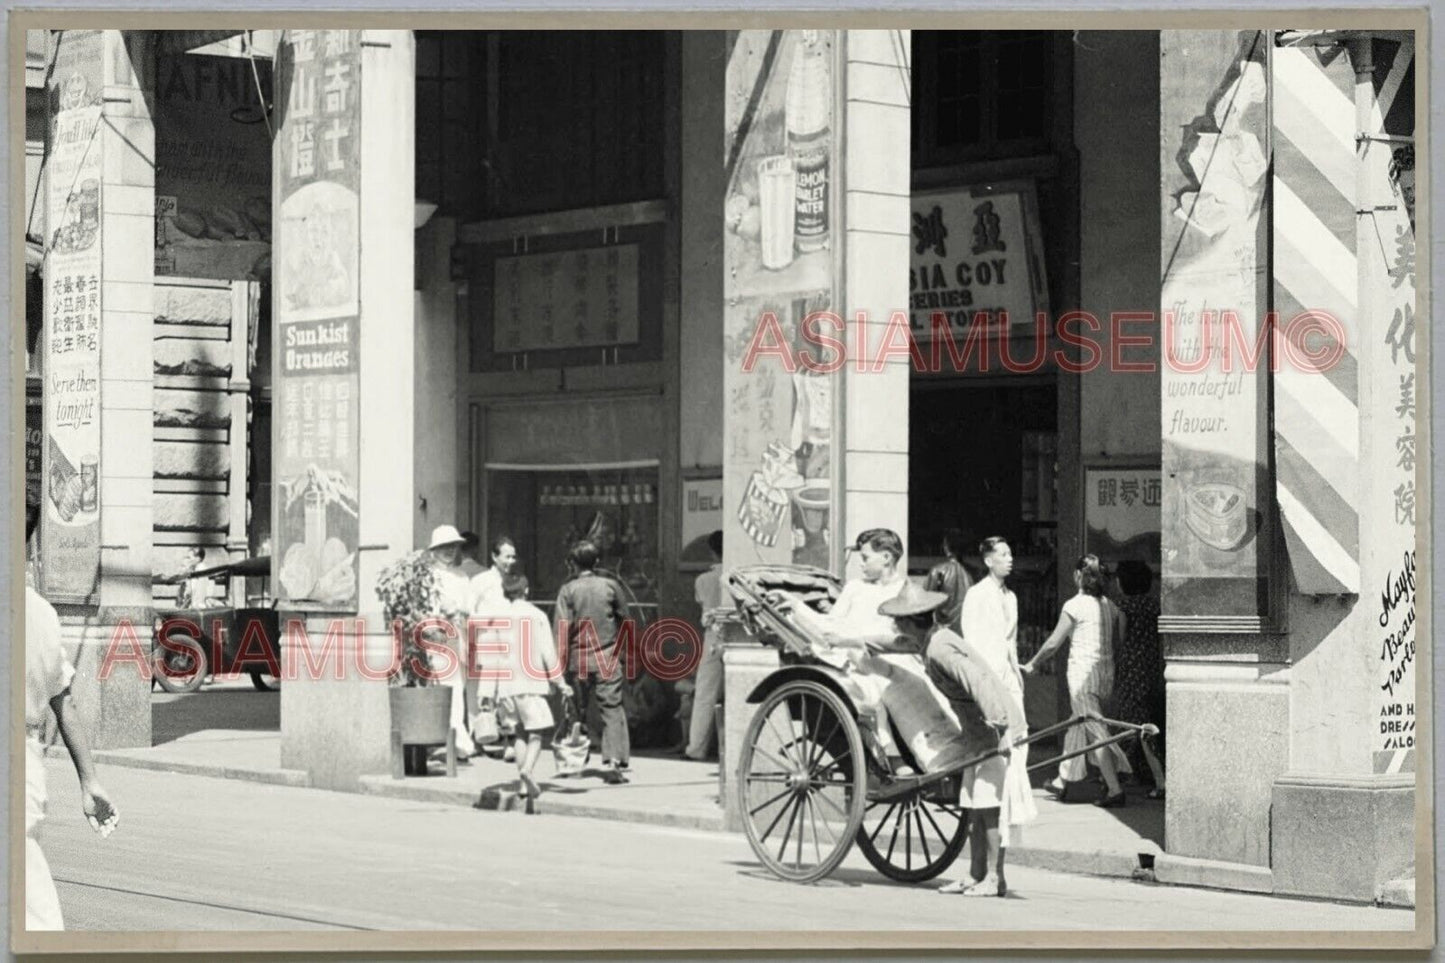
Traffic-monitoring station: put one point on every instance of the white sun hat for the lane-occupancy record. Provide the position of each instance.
(445, 535)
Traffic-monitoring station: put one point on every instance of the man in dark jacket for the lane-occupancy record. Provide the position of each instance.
(951, 578)
(590, 626)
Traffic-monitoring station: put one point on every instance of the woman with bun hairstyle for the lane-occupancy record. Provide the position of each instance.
(1090, 623)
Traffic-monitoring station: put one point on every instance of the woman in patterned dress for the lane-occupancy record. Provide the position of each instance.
(1139, 667)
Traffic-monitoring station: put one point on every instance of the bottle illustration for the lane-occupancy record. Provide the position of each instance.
(808, 115)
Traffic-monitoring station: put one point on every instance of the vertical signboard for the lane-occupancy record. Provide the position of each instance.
(1214, 457)
(213, 171)
(70, 532)
(317, 308)
(1391, 449)
(780, 474)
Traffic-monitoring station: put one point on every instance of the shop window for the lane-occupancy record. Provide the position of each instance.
(981, 94)
(545, 512)
(450, 74)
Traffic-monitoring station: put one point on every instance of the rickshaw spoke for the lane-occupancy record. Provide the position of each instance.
(755, 810)
(773, 825)
(832, 766)
(788, 833)
(773, 758)
(907, 838)
(783, 744)
(768, 777)
(922, 837)
(882, 823)
(813, 819)
(934, 822)
(893, 843)
(831, 835)
(836, 808)
(802, 830)
(823, 743)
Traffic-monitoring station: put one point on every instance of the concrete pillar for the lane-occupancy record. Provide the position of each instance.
(1225, 675)
(876, 179)
(336, 727)
(101, 565)
(438, 366)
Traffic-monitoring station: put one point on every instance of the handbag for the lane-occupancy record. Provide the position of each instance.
(571, 746)
(485, 729)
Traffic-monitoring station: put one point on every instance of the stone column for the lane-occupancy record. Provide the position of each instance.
(336, 727)
(111, 197)
(875, 178)
(1226, 674)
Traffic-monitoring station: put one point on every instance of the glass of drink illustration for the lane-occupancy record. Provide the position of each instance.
(315, 525)
(777, 184)
(89, 484)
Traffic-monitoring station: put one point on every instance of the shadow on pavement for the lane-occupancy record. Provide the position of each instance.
(174, 716)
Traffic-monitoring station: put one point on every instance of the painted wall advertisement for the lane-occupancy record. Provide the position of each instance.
(1211, 454)
(213, 171)
(779, 249)
(70, 533)
(315, 406)
(974, 250)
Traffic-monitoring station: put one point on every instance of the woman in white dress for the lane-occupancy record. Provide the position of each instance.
(1090, 622)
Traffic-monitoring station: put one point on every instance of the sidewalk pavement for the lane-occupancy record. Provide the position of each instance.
(663, 790)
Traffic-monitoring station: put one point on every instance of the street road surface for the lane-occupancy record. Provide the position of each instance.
(195, 853)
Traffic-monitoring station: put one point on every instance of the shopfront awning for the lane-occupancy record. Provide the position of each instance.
(182, 41)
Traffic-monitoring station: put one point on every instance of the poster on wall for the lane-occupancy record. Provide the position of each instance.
(34, 448)
(315, 348)
(213, 170)
(781, 258)
(70, 454)
(1212, 452)
(702, 514)
(1121, 514)
(976, 249)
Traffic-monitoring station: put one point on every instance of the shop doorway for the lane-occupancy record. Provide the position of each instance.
(982, 460)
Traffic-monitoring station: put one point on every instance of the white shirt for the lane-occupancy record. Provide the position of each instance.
(47, 674)
(454, 593)
(990, 621)
(855, 614)
(1091, 641)
(527, 656)
(486, 589)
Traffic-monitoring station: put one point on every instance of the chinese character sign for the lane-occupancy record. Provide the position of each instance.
(317, 307)
(566, 299)
(1121, 513)
(71, 451)
(976, 250)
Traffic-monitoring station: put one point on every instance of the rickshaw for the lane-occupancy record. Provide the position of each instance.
(813, 778)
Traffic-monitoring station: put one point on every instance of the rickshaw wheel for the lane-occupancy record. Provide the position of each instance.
(913, 838)
(803, 772)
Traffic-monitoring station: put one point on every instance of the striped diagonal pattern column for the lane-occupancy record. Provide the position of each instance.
(1316, 413)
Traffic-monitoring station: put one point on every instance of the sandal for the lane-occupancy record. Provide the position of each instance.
(1115, 801)
(1156, 793)
(957, 887)
(1058, 790)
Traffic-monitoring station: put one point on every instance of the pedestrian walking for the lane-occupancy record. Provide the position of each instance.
(1090, 622)
(48, 674)
(1139, 668)
(518, 667)
(708, 683)
(455, 597)
(589, 623)
(952, 579)
(990, 622)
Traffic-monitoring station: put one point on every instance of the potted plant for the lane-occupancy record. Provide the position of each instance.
(420, 709)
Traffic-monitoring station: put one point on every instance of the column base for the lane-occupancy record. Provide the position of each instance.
(116, 710)
(746, 663)
(1342, 837)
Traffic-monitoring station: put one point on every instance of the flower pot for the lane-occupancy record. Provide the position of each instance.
(422, 714)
